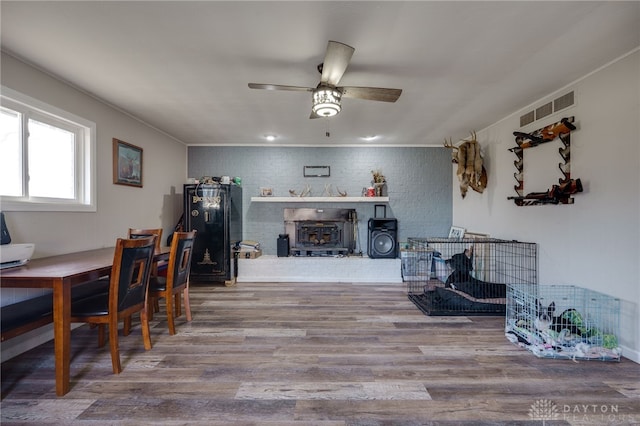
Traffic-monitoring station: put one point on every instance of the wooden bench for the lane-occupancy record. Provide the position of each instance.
(21, 317)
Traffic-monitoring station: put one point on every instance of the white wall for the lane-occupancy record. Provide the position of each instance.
(118, 207)
(594, 243)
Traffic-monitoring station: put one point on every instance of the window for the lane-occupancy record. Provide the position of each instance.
(47, 157)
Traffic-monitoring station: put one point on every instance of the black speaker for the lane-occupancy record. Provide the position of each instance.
(383, 238)
(283, 245)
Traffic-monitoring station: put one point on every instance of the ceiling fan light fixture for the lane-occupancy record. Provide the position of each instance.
(326, 102)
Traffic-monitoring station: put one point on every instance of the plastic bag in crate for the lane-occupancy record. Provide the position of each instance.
(441, 268)
(416, 264)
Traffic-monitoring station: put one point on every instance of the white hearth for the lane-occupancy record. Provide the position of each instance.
(319, 269)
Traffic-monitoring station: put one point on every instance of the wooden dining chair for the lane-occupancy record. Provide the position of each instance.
(135, 233)
(176, 282)
(143, 233)
(128, 294)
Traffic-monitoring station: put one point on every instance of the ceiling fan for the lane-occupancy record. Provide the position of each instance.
(326, 97)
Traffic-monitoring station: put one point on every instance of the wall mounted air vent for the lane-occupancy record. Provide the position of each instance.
(563, 102)
(528, 118)
(544, 110)
(547, 109)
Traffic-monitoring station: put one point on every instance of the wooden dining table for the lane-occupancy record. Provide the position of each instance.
(60, 273)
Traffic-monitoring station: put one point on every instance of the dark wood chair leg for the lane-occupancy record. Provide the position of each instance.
(101, 335)
(178, 304)
(146, 335)
(151, 307)
(127, 326)
(170, 314)
(187, 304)
(113, 347)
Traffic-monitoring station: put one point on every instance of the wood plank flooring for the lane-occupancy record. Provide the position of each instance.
(317, 354)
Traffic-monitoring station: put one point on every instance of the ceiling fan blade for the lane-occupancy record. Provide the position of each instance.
(336, 61)
(279, 87)
(371, 93)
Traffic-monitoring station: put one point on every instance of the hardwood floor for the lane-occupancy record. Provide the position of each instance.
(317, 354)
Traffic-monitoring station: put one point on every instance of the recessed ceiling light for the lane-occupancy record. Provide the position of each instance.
(370, 138)
(270, 138)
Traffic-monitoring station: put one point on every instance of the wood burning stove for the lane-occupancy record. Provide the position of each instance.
(320, 232)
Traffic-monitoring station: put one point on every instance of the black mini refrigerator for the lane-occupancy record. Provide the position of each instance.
(215, 211)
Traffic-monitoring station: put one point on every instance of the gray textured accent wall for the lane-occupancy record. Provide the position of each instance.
(419, 184)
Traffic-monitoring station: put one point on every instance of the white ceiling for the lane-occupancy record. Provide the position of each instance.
(183, 66)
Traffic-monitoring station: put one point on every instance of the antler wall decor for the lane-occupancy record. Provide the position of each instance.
(471, 171)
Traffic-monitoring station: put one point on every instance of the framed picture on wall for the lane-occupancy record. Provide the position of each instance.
(316, 171)
(456, 232)
(127, 164)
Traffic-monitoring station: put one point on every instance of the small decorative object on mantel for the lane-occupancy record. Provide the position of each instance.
(327, 193)
(378, 182)
(471, 171)
(305, 192)
(266, 192)
(557, 194)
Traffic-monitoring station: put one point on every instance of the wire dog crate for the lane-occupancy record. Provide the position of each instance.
(469, 276)
(563, 322)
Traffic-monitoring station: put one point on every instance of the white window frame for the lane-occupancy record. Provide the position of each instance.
(85, 132)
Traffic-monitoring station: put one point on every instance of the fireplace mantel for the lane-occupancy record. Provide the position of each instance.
(319, 199)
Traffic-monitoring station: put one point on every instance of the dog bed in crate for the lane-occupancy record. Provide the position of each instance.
(436, 299)
(469, 276)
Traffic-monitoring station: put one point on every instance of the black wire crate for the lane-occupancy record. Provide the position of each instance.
(417, 262)
(563, 322)
(468, 276)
